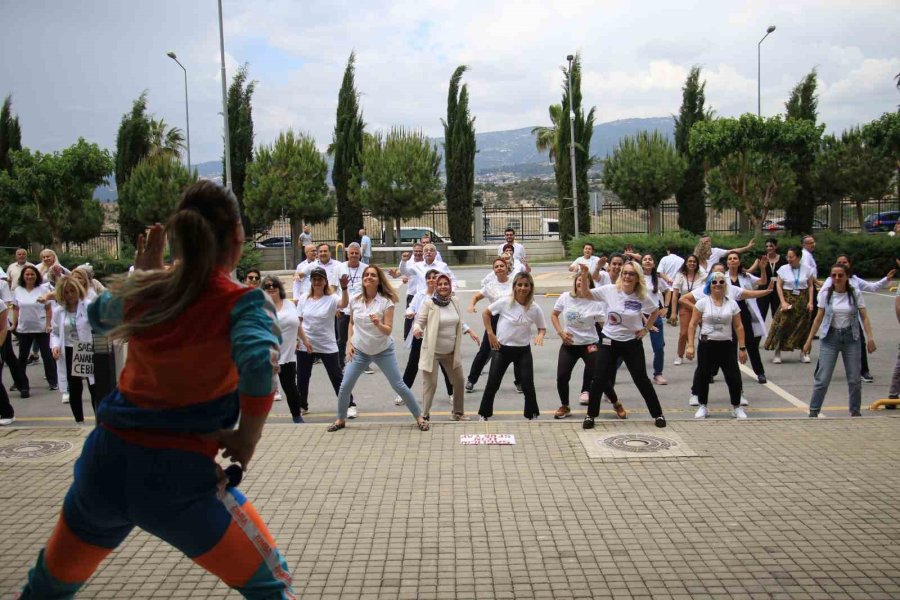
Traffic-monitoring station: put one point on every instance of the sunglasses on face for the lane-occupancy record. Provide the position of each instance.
(717, 282)
(252, 278)
(270, 286)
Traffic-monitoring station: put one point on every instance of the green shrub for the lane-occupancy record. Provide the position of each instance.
(872, 255)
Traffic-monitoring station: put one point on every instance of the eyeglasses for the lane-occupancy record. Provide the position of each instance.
(252, 278)
(717, 282)
(270, 286)
(629, 274)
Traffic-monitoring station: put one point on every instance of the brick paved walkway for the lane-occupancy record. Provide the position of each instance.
(768, 509)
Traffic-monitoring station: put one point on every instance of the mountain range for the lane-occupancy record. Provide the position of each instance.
(509, 154)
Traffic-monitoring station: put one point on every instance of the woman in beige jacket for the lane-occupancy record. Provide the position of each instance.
(440, 326)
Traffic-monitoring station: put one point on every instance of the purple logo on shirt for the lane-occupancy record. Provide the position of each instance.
(632, 305)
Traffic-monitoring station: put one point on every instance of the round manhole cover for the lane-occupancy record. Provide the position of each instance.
(34, 449)
(636, 442)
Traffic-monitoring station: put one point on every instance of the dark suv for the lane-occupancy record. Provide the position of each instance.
(883, 221)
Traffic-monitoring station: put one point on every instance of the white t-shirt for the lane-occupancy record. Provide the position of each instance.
(413, 285)
(318, 322)
(303, 286)
(686, 284)
(661, 287)
(5, 295)
(716, 322)
(13, 271)
(580, 315)
(415, 305)
(289, 322)
(32, 314)
(842, 310)
(71, 340)
(623, 312)
(670, 264)
(795, 279)
(417, 270)
(806, 258)
(518, 250)
(332, 269)
(494, 290)
(514, 325)
(734, 293)
(603, 278)
(354, 280)
(366, 337)
(590, 262)
(716, 255)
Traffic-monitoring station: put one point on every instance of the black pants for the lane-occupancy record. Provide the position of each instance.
(16, 368)
(412, 367)
(716, 354)
(76, 389)
(568, 358)
(751, 341)
(43, 342)
(287, 376)
(341, 328)
(484, 354)
(500, 360)
(304, 372)
(632, 353)
(6, 409)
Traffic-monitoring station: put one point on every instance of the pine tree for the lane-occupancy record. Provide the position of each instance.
(10, 134)
(803, 104)
(690, 195)
(133, 140)
(347, 150)
(240, 124)
(459, 160)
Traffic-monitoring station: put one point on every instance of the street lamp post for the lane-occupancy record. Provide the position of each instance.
(571, 58)
(187, 115)
(224, 101)
(758, 71)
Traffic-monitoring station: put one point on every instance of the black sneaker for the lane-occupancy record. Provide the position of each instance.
(27, 394)
(519, 388)
(855, 413)
(867, 377)
(588, 423)
(660, 422)
(762, 378)
(54, 386)
(470, 387)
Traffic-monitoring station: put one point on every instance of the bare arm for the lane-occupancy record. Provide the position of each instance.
(492, 336)
(4, 325)
(476, 297)
(870, 338)
(743, 249)
(810, 292)
(817, 322)
(779, 283)
(688, 300)
(755, 293)
(696, 315)
(739, 330)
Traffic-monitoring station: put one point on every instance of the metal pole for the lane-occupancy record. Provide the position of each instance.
(759, 71)
(224, 101)
(187, 119)
(572, 144)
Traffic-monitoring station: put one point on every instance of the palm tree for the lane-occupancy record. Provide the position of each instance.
(547, 138)
(165, 141)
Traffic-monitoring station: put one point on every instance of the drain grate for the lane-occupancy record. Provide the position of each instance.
(637, 442)
(34, 449)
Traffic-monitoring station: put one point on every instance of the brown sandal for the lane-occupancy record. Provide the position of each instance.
(423, 425)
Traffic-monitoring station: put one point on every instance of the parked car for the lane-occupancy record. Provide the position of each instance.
(883, 221)
(774, 225)
(411, 235)
(274, 242)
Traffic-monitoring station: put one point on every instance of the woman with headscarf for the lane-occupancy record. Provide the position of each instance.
(440, 326)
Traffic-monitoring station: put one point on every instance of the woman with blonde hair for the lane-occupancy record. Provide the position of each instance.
(71, 326)
(630, 313)
(85, 275)
(439, 324)
(369, 340)
(511, 343)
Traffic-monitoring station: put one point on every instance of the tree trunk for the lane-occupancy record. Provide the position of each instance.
(859, 216)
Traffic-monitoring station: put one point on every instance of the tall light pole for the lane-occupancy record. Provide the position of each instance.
(571, 58)
(187, 115)
(224, 101)
(758, 71)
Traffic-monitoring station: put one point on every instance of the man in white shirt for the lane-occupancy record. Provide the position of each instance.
(332, 267)
(518, 249)
(670, 263)
(412, 284)
(426, 239)
(305, 237)
(417, 270)
(353, 269)
(301, 275)
(806, 255)
(365, 246)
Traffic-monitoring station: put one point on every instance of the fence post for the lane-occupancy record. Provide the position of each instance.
(479, 223)
(834, 218)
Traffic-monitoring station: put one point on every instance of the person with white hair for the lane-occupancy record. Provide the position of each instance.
(301, 273)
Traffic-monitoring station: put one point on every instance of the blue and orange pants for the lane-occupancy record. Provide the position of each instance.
(170, 493)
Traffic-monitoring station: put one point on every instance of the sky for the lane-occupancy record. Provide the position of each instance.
(74, 67)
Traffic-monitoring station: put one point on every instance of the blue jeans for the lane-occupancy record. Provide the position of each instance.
(387, 363)
(658, 342)
(837, 341)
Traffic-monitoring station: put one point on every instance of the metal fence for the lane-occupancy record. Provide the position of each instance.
(105, 244)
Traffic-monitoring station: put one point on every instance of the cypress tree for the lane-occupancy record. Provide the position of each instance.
(10, 134)
(240, 124)
(690, 195)
(347, 148)
(459, 160)
(803, 104)
(133, 140)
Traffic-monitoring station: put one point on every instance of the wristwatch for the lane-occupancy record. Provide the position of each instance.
(744, 348)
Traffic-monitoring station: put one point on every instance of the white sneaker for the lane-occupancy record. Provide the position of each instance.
(481, 418)
(8, 421)
(738, 413)
(744, 401)
(694, 400)
(369, 371)
(65, 398)
(677, 361)
(398, 401)
(352, 413)
(277, 396)
(777, 359)
(702, 412)
(805, 358)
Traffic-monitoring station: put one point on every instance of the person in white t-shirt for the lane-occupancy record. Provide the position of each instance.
(353, 269)
(587, 258)
(371, 324)
(708, 255)
(518, 249)
(689, 276)
(301, 274)
(627, 306)
(7, 413)
(15, 268)
(841, 310)
(795, 285)
(32, 320)
(417, 270)
(412, 284)
(580, 340)
(316, 310)
(9, 357)
(656, 290)
(500, 286)
(511, 343)
(717, 315)
(289, 323)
